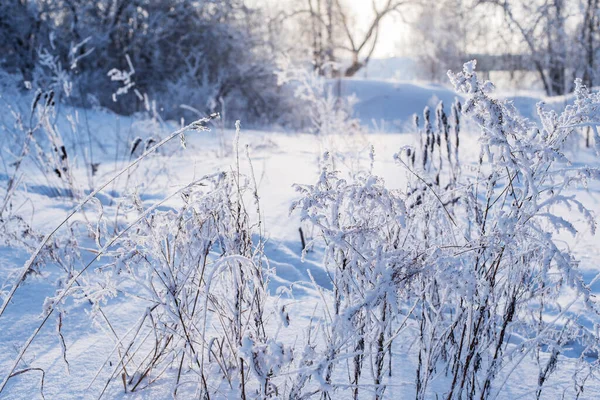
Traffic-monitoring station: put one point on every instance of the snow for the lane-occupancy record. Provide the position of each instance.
(388, 105)
(280, 160)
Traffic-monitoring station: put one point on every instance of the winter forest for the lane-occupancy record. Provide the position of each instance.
(299, 199)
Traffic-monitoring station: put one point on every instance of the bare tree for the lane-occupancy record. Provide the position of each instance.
(442, 31)
(330, 28)
(542, 25)
(362, 46)
(322, 32)
(589, 40)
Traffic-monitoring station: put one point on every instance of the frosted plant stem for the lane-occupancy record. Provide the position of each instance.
(74, 279)
(196, 125)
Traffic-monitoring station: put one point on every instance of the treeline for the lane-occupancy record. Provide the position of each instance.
(560, 39)
(211, 55)
(221, 55)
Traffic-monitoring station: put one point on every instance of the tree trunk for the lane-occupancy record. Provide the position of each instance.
(353, 69)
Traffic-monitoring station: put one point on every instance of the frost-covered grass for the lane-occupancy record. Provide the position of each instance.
(420, 277)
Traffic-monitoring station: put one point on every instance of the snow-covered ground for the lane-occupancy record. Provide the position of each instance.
(279, 160)
(388, 106)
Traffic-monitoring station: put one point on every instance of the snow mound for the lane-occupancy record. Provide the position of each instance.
(387, 105)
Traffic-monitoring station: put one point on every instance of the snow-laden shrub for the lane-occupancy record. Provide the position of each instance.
(200, 271)
(326, 112)
(50, 249)
(205, 282)
(33, 146)
(361, 223)
(39, 151)
(475, 264)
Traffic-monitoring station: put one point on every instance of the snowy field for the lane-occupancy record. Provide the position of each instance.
(78, 355)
